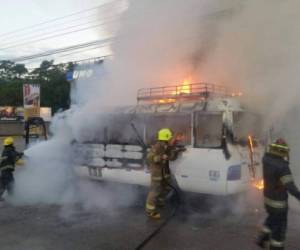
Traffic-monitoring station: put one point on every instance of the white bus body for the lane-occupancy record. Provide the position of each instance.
(219, 158)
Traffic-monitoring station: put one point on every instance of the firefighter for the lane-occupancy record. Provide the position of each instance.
(278, 182)
(158, 159)
(7, 165)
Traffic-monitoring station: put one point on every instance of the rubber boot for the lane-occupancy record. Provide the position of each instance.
(2, 190)
(263, 238)
(160, 203)
(154, 215)
(276, 248)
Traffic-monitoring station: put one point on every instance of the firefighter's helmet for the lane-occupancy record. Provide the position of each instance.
(8, 141)
(280, 148)
(165, 134)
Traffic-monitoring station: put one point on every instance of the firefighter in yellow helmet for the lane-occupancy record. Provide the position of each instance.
(278, 182)
(8, 159)
(158, 160)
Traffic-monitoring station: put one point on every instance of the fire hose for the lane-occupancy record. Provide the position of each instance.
(165, 222)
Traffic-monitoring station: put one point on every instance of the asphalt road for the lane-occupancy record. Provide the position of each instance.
(203, 224)
(200, 223)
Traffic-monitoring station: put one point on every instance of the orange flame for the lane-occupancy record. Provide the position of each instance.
(185, 88)
(163, 101)
(235, 94)
(259, 184)
(251, 143)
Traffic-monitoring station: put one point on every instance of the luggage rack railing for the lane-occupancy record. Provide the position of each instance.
(183, 92)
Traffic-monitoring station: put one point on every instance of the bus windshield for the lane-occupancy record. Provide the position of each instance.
(208, 130)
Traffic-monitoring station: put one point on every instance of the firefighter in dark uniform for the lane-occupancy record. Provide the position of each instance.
(7, 165)
(278, 181)
(158, 160)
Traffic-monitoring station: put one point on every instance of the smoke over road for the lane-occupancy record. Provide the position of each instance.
(249, 45)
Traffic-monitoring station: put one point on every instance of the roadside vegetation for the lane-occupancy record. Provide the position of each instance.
(55, 89)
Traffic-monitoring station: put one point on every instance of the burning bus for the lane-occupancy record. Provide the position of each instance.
(222, 140)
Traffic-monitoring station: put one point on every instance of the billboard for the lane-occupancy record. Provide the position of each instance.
(10, 113)
(31, 99)
(31, 95)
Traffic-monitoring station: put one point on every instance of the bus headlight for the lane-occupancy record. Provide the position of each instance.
(234, 173)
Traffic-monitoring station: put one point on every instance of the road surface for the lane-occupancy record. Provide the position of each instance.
(204, 224)
(116, 222)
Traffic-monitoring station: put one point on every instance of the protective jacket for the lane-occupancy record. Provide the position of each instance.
(278, 182)
(158, 161)
(7, 166)
(156, 155)
(9, 157)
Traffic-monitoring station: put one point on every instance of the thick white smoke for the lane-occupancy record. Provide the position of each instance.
(257, 50)
(250, 45)
(47, 176)
(164, 42)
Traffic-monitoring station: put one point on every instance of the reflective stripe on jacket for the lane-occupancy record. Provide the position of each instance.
(275, 203)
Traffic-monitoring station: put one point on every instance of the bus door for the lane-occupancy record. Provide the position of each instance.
(248, 133)
(203, 167)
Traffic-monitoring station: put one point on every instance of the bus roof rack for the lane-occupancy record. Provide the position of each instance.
(194, 91)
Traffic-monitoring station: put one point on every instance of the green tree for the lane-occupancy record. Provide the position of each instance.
(19, 70)
(6, 70)
(11, 94)
(55, 89)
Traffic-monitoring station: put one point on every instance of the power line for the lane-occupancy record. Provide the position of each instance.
(38, 31)
(56, 19)
(50, 34)
(80, 46)
(95, 59)
(75, 52)
(53, 36)
(58, 51)
(61, 50)
(100, 6)
(43, 29)
(31, 61)
(84, 50)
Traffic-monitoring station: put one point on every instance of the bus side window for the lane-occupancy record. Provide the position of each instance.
(120, 131)
(178, 123)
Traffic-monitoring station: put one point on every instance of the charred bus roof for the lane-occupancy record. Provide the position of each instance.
(185, 98)
(184, 92)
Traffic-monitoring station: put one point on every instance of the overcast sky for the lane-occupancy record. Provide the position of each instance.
(19, 14)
